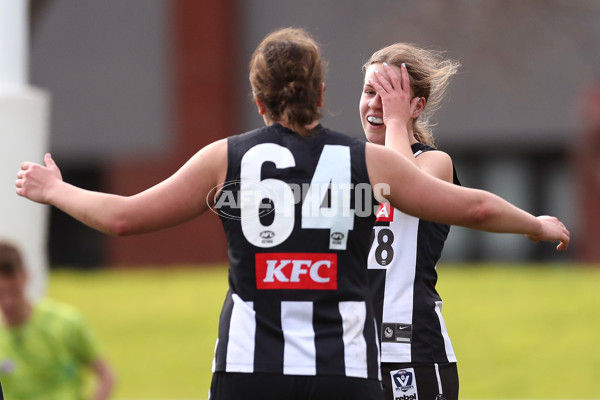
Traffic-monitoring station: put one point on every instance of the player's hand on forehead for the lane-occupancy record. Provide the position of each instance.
(387, 79)
(393, 86)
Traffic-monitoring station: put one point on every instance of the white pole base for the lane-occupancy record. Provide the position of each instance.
(24, 126)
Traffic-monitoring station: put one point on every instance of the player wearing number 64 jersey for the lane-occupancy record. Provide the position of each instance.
(297, 301)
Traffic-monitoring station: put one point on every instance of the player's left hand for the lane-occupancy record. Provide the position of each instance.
(552, 231)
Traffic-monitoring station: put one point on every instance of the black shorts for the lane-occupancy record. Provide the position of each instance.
(419, 381)
(257, 386)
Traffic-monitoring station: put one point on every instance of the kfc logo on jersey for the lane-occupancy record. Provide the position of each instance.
(385, 212)
(314, 271)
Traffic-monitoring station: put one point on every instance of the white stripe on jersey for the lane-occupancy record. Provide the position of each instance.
(447, 343)
(399, 282)
(240, 345)
(214, 361)
(378, 351)
(299, 351)
(354, 314)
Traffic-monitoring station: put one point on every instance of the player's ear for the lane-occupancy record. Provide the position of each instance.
(418, 107)
(320, 102)
(260, 106)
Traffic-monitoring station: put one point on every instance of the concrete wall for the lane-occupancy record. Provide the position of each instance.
(107, 66)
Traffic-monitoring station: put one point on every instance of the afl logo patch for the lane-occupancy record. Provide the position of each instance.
(267, 234)
(337, 236)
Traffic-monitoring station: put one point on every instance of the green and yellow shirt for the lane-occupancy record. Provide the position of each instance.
(47, 358)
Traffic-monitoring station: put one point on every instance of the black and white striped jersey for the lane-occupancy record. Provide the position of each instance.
(297, 213)
(402, 273)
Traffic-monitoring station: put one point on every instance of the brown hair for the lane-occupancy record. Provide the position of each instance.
(429, 74)
(11, 261)
(286, 74)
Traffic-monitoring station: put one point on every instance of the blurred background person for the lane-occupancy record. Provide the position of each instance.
(46, 349)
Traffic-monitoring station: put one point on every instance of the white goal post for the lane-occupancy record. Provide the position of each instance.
(24, 126)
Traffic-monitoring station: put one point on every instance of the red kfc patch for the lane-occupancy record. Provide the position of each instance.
(314, 271)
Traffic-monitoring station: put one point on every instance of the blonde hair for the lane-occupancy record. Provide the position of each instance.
(429, 74)
(286, 75)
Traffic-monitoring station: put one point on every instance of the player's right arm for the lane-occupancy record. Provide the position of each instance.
(424, 196)
(175, 200)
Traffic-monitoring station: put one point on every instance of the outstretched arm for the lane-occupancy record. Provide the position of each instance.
(421, 195)
(175, 200)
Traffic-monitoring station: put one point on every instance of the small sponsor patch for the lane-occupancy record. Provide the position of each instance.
(396, 332)
(404, 384)
(385, 213)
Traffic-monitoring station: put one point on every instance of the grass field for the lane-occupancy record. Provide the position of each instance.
(520, 332)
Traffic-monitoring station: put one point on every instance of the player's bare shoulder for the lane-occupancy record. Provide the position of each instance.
(436, 163)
